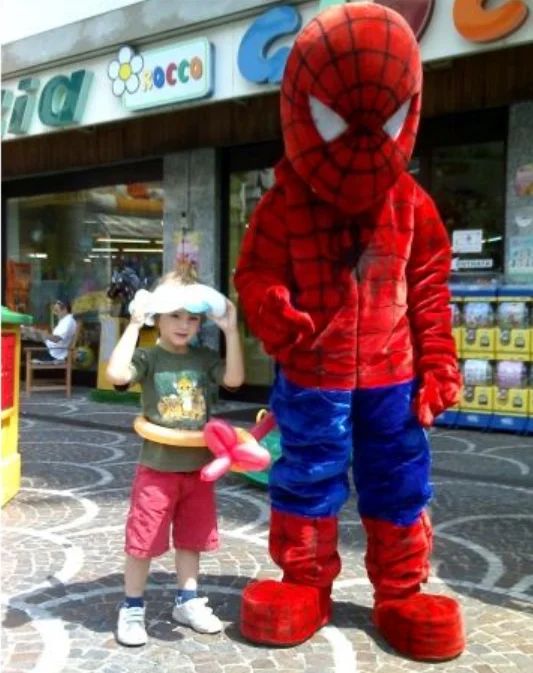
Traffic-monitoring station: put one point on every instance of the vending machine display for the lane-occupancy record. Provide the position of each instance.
(457, 325)
(479, 334)
(513, 329)
(478, 386)
(511, 388)
(493, 326)
(529, 424)
(511, 396)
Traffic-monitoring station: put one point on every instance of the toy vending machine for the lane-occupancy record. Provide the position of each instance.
(513, 330)
(511, 396)
(479, 331)
(529, 423)
(449, 417)
(477, 398)
(457, 324)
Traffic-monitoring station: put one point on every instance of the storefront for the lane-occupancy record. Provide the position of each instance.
(135, 157)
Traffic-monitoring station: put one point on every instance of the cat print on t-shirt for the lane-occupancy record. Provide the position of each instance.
(182, 399)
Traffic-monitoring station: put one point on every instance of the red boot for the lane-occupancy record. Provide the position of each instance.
(291, 611)
(420, 626)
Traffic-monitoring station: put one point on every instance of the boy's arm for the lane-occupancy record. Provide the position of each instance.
(119, 369)
(233, 376)
(428, 272)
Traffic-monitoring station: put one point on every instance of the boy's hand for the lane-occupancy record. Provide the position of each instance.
(139, 308)
(228, 322)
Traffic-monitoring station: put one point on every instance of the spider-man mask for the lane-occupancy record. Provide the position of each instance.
(350, 103)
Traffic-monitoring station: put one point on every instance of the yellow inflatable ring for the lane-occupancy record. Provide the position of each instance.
(178, 438)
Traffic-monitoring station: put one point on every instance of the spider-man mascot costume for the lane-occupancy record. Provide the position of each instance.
(343, 277)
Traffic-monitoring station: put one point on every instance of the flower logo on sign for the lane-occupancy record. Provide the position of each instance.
(124, 71)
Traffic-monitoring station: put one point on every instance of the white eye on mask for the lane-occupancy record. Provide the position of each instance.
(196, 298)
(393, 127)
(329, 124)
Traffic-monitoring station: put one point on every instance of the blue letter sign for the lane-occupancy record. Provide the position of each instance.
(252, 60)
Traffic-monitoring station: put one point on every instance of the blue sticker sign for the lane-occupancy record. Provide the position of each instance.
(253, 60)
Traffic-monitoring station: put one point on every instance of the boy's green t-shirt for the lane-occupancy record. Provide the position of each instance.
(176, 391)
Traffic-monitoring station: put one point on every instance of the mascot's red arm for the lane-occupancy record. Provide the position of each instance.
(428, 273)
(262, 279)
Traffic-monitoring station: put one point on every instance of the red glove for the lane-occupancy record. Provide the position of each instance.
(435, 396)
(280, 325)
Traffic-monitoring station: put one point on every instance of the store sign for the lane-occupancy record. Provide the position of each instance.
(467, 241)
(253, 62)
(472, 20)
(478, 23)
(471, 264)
(174, 74)
(61, 102)
(249, 58)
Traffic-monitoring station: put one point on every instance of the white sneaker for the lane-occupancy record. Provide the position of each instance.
(197, 615)
(131, 630)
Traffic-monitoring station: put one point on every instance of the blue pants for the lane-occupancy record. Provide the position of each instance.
(374, 429)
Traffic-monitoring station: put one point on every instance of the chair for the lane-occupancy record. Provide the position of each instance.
(66, 364)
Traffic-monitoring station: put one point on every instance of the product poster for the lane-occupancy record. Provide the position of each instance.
(521, 254)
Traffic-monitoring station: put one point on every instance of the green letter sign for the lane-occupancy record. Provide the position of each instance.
(7, 102)
(20, 121)
(63, 99)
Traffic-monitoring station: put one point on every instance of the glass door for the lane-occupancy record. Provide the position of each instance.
(246, 189)
(248, 173)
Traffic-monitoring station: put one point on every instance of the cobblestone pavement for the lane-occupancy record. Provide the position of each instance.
(62, 559)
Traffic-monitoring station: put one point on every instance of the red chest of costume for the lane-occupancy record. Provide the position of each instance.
(349, 274)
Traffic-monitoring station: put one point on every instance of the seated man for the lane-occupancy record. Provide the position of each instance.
(59, 342)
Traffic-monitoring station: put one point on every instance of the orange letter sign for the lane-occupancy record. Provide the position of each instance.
(486, 25)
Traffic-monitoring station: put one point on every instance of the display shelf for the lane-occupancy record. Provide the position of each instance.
(10, 460)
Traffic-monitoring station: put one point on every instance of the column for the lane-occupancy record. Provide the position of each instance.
(191, 187)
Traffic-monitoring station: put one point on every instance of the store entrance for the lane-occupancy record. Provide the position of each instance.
(248, 172)
(73, 237)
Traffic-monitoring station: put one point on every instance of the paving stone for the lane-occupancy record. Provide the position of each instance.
(62, 559)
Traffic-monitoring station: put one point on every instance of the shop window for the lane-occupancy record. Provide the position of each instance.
(246, 188)
(468, 185)
(68, 246)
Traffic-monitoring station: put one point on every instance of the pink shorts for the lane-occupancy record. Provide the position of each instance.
(161, 500)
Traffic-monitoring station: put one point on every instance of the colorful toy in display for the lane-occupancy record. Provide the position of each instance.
(343, 277)
(124, 284)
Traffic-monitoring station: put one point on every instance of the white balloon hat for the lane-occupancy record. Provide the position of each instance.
(170, 297)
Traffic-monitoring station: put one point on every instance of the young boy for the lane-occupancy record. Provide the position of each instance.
(167, 490)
